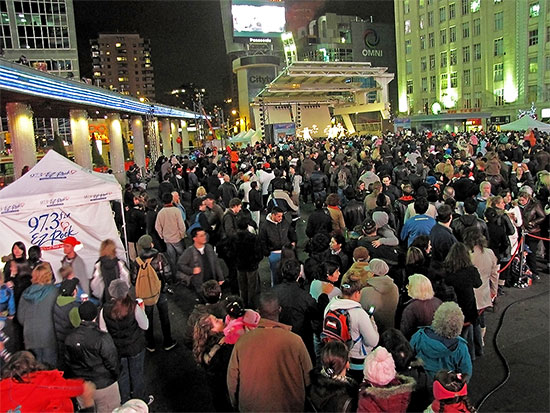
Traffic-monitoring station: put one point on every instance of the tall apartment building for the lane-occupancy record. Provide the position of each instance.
(122, 62)
(472, 63)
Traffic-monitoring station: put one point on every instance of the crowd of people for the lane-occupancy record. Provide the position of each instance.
(376, 303)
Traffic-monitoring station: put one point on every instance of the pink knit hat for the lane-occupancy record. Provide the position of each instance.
(379, 367)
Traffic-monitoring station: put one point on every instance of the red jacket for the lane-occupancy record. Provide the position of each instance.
(42, 391)
(394, 397)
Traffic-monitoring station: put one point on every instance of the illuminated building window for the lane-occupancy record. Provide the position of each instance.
(452, 11)
(465, 30)
(421, 22)
(477, 27)
(467, 100)
(452, 57)
(443, 59)
(442, 14)
(477, 100)
(421, 3)
(406, 6)
(430, 18)
(431, 40)
(409, 86)
(498, 47)
(534, 10)
(408, 46)
(408, 67)
(432, 62)
(465, 7)
(497, 1)
(466, 54)
(477, 76)
(477, 51)
(452, 34)
(499, 21)
(466, 80)
(454, 80)
(533, 65)
(424, 84)
(498, 72)
(444, 81)
(475, 5)
(533, 37)
(422, 42)
(433, 83)
(443, 36)
(407, 26)
(423, 64)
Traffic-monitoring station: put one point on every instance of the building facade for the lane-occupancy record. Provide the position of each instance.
(467, 64)
(41, 31)
(122, 62)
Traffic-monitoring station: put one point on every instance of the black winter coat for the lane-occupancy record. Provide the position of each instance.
(330, 395)
(128, 337)
(464, 281)
(319, 181)
(248, 251)
(274, 236)
(319, 221)
(92, 355)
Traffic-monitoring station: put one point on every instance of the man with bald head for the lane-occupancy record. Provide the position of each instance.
(269, 367)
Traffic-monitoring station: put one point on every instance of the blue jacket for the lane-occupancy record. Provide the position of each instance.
(7, 303)
(415, 226)
(439, 353)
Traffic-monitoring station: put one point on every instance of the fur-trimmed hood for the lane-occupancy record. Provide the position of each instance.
(401, 384)
(394, 397)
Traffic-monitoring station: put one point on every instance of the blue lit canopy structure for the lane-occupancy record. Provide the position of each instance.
(23, 84)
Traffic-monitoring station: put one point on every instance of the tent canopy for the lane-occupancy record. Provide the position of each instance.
(524, 123)
(56, 181)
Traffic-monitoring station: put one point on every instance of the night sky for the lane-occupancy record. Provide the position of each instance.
(186, 36)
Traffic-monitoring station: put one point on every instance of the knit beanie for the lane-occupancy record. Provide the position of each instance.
(87, 311)
(144, 242)
(379, 367)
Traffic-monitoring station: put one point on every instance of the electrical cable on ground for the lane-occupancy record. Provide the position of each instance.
(499, 353)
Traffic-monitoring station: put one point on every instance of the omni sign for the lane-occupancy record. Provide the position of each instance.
(371, 39)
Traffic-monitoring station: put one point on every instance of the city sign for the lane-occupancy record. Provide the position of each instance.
(371, 40)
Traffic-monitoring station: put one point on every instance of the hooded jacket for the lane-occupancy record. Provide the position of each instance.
(439, 353)
(383, 294)
(42, 391)
(364, 333)
(35, 313)
(65, 317)
(394, 397)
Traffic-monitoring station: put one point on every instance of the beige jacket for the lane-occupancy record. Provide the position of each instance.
(170, 225)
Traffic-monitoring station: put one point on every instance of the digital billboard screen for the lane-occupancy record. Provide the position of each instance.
(256, 18)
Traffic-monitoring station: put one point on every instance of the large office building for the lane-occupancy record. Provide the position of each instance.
(41, 34)
(41, 31)
(122, 62)
(467, 64)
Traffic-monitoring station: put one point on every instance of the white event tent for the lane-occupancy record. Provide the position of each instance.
(55, 199)
(525, 123)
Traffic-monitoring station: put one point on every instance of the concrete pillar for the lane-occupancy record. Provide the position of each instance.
(184, 136)
(165, 136)
(115, 146)
(80, 136)
(139, 141)
(21, 128)
(175, 135)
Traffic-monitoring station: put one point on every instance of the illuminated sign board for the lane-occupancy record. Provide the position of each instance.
(256, 18)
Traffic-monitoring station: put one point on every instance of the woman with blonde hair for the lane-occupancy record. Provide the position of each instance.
(201, 192)
(106, 269)
(419, 311)
(35, 313)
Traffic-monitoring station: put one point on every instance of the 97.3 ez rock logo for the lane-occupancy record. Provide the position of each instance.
(48, 229)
